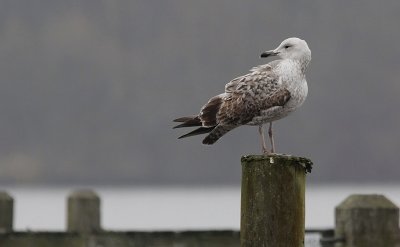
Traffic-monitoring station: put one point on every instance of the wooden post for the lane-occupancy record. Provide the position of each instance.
(83, 212)
(273, 191)
(367, 221)
(6, 212)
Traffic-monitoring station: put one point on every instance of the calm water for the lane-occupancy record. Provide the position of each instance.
(174, 208)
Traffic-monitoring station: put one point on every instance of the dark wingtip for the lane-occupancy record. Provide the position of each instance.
(183, 136)
(177, 120)
(208, 141)
(198, 131)
(183, 119)
(191, 121)
(178, 126)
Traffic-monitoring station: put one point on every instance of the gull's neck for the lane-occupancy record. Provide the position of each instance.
(303, 62)
(296, 64)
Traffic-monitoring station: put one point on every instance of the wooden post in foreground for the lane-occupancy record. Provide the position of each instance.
(272, 203)
(83, 212)
(6, 212)
(367, 221)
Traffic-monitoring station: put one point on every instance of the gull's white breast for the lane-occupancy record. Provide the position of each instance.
(293, 79)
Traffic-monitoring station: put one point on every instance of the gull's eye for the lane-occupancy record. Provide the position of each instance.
(287, 46)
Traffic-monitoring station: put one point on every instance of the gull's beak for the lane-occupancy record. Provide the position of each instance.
(269, 53)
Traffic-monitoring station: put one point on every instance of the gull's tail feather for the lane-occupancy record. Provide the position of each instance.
(206, 120)
(191, 121)
(184, 119)
(209, 111)
(217, 133)
(198, 131)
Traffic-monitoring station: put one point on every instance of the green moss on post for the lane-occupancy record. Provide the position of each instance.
(272, 203)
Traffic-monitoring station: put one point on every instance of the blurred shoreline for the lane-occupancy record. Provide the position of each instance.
(156, 208)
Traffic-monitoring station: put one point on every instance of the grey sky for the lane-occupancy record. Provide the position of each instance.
(89, 88)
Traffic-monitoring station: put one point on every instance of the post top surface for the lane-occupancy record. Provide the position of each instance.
(366, 201)
(86, 194)
(5, 196)
(280, 158)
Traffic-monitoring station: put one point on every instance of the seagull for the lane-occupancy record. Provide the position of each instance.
(268, 93)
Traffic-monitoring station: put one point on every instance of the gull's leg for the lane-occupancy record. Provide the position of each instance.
(264, 146)
(271, 137)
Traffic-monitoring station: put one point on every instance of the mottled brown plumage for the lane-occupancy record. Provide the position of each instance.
(244, 98)
(268, 93)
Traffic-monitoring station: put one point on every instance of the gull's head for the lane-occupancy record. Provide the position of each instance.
(291, 48)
